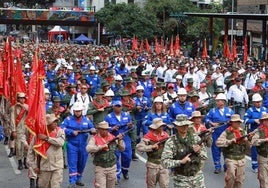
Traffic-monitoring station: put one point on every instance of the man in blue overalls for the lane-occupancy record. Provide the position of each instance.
(218, 118)
(252, 118)
(120, 122)
(76, 143)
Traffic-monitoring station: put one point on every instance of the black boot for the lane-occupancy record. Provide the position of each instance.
(6, 140)
(20, 167)
(32, 183)
(25, 163)
(11, 153)
(134, 156)
(37, 186)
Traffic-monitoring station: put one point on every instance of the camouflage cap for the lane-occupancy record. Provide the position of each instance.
(182, 120)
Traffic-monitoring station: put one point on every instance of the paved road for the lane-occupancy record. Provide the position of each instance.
(9, 178)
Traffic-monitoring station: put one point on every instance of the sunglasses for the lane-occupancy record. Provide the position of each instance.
(83, 88)
(140, 91)
(118, 106)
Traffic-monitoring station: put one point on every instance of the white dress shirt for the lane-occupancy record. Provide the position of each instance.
(238, 93)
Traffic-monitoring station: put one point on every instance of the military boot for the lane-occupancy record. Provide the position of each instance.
(20, 167)
(11, 153)
(134, 156)
(25, 163)
(6, 140)
(32, 183)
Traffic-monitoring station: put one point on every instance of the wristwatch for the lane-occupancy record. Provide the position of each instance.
(46, 139)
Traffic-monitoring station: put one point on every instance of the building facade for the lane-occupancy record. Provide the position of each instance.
(254, 27)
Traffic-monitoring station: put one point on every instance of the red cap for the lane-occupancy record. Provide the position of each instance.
(202, 85)
(170, 85)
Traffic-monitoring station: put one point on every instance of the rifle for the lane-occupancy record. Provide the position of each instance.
(246, 135)
(165, 139)
(85, 131)
(112, 140)
(203, 133)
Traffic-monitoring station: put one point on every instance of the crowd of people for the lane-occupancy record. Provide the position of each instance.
(170, 106)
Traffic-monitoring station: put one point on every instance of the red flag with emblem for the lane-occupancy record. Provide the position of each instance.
(205, 52)
(245, 49)
(177, 44)
(36, 118)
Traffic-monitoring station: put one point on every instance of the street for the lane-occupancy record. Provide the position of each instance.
(11, 178)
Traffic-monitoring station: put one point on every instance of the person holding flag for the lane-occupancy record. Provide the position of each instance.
(50, 169)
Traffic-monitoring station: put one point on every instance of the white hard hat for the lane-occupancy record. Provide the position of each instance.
(158, 99)
(221, 96)
(92, 68)
(139, 87)
(27, 66)
(256, 97)
(109, 93)
(182, 91)
(97, 58)
(46, 91)
(179, 77)
(78, 106)
(69, 67)
(119, 78)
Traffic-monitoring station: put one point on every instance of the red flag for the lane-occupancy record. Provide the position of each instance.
(245, 49)
(20, 85)
(226, 50)
(147, 46)
(1, 74)
(171, 48)
(157, 47)
(141, 47)
(36, 120)
(177, 45)
(134, 43)
(205, 52)
(234, 49)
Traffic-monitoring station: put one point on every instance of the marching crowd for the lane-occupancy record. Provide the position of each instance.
(110, 103)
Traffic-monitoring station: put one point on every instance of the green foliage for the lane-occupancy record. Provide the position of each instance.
(158, 18)
(128, 20)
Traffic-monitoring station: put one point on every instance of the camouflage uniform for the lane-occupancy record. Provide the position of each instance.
(176, 148)
(234, 158)
(260, 140)
(155, 171)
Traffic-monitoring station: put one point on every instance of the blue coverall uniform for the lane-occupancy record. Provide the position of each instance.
(146, 104)
(214, 115)
(126, 155)
(76, 146)
(148, 88)
(51, 76)
(176, 108)
(148, 120)
(94, 81)
(251, 114)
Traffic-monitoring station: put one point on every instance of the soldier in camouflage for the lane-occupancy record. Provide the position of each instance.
(152, 143)
(233, 143)
(184, 154)
(260, 140)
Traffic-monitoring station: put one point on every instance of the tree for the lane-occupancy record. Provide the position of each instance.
(128, 20)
